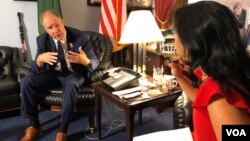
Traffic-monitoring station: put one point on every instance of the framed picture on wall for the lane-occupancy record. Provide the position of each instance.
(247, 38)
(94, 2)
(240, 8)
(25, 0)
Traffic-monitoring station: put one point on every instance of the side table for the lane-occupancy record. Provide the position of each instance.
(129, 108)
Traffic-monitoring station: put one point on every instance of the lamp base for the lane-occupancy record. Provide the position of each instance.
(144, 75)
(139, 70)
(134, 68)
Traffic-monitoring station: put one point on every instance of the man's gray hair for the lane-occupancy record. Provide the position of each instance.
(52, 12)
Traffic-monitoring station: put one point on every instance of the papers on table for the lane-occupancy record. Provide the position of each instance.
(129, 92)
(182, 134)
(126, 91)
(144, 84)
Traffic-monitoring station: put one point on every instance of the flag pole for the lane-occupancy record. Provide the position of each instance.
(23, 47)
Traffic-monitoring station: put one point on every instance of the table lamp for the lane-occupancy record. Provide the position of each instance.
(140, 28)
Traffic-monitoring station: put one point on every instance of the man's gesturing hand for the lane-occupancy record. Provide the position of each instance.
(79, 58)
(47, 57)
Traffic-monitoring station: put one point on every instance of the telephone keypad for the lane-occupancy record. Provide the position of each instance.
(119, 78)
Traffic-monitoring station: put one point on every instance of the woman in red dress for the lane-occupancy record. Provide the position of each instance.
(208, 40)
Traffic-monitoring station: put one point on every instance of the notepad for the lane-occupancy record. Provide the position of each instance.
(127, 91)
(182, 134)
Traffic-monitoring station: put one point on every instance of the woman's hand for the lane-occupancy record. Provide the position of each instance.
(177, 66)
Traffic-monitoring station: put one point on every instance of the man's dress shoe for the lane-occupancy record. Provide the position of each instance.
(31, 133)
(61, 136)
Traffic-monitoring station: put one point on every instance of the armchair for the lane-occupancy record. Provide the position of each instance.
(86, 102)
(9, 86)
(182, 112)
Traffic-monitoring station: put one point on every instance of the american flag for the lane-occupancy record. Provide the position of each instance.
(112, 20)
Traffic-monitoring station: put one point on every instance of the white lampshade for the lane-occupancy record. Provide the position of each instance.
(141, 28)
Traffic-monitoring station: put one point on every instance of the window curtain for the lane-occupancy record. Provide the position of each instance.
(43, 5)
(178, 4)
(163, 11)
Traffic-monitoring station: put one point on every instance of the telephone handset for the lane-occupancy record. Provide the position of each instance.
(118, 78)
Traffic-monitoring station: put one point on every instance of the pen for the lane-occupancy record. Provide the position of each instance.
(184, 67)
(168, 60)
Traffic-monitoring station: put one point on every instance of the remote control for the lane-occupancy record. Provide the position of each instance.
(131, 95)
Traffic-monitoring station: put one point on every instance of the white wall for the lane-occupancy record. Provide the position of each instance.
(76, 13)
(9, 25)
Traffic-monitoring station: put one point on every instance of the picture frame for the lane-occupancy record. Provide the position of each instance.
(239, 5)
(140, 3)
(94, 2)
(247, 36)
(26, 0)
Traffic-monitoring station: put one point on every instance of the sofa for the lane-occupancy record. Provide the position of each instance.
(10, 60)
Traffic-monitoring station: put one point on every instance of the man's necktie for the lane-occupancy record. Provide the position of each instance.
(61, 57)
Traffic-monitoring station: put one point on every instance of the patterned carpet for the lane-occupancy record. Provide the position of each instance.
(12, 125)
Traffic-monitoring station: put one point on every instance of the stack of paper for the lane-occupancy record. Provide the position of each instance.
(182, 134)
(127, 91)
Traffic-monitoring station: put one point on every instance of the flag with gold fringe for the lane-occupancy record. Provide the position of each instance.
(112, 20)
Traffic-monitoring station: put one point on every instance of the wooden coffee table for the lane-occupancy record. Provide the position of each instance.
(129, 108)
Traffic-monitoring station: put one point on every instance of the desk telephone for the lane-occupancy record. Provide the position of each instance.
(118, 78)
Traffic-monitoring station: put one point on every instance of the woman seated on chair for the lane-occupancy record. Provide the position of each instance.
(207, 39)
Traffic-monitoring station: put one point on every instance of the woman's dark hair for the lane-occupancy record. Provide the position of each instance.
(210, 35)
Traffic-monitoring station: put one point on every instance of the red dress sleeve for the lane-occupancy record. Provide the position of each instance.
(211, 88)
(203, 130)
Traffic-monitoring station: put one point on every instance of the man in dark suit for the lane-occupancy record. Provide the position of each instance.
(64, 59)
